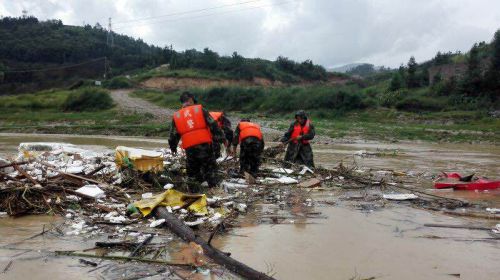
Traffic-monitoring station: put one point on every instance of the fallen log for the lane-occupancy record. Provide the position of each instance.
(187, 234)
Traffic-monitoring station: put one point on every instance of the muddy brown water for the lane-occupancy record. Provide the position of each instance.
(391, 243)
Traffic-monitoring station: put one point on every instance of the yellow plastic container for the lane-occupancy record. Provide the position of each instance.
(141, 160)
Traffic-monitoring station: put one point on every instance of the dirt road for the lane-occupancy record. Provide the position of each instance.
(131, 104)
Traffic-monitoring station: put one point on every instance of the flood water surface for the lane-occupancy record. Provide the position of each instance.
(391, 243)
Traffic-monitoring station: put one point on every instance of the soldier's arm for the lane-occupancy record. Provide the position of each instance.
(288, 134)
(226, 128)
(217, 134)
(174, 137)
(236, 137)
(310, 135)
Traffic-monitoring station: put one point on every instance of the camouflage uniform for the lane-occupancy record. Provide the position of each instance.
(298, 152)
(228, 133)
(200, 160)
(250, 152)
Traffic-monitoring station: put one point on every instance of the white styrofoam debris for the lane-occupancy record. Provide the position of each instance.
(493, 210)
(282, 170)
(241, 207)
(168, 186)
(91, 190)
(156, 223)
(73, 169)
(400, 196)
(229, 203)
(72, 197)
(229, 185)
(147, 195)
(306, 169)
(496, 229)
(118, 219)
(287, 180)
(196, 222)
(3, 214)
(223, 158)
(78, 226)
(215, 218)
(69, 216)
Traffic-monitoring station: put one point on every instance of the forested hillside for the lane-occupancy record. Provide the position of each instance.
(39, 54)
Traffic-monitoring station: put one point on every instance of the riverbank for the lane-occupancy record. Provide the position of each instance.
(146, 113)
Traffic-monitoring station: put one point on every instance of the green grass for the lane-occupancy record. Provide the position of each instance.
(184, 73)
(160, 98)
(42, 112)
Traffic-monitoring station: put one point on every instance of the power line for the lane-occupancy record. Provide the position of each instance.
(206, 15)
(187, 12)
(55, 68)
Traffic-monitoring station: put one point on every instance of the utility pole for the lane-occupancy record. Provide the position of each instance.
(25, 13)
(109, 40)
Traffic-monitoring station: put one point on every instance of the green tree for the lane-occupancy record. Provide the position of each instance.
(396, 82)
(424, 77)
(412, 79)
(2, 74)
(472, 80)
(492, 76)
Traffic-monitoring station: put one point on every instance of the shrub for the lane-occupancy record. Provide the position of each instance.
(118, 82)
(421, 103)
(88, 99)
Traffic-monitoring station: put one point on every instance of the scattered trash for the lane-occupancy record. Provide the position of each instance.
(168, 186)
(287, 180)
(496, 229)
(400, 196)
(147, 195)
(156, 223)
(91, 191)
(194, 202)
(493, 210)
(467, 183)
(241, 207)
(142, 160)
(311, 183)
(282, 170)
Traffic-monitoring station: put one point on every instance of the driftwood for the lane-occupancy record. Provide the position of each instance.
(143, 243)
(187, 234)
(14, 163)
(457, 226)
(117, 258)
(35, 182)
(54, 168)
(99, 168)
(113, 244)
(474, 215)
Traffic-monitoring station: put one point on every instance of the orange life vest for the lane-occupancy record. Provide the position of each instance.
(192, 127)
(217, 116)
(299, 130)
(248, 129)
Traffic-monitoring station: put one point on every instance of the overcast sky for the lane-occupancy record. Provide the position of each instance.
(330, 32)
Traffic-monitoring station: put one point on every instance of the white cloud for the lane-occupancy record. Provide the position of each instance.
(330, 32)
